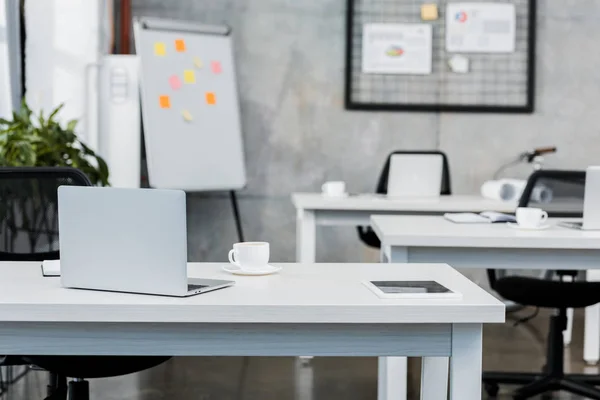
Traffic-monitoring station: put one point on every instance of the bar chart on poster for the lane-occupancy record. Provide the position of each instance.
(190, 106)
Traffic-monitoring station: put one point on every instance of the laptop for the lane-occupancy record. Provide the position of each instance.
(126, 240)
(591, 199)
(415, 175)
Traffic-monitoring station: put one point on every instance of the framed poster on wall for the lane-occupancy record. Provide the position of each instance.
(421, 55)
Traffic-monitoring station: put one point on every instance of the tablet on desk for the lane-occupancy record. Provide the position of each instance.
(411, 290)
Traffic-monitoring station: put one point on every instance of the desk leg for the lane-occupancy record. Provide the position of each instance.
(393, 371)
(306, 238)
(391, 384)
(591, 335)
(465, 362)
(434, 378)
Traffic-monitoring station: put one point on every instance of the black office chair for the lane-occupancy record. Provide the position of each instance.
(566, 188)
(29, 232)
(365, 233)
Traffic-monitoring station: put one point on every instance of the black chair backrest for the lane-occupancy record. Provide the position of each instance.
(566, 189)
(366, 234)
(564, 192)
(29, 210)
(382, 184)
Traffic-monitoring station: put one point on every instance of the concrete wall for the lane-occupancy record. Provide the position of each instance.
(290, 57)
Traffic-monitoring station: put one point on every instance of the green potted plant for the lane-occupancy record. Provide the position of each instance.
(35, 141)
(29, 140)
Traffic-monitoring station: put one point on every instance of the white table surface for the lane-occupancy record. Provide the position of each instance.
(452, 203)
(317, 309)
(318, 293)
(496, 246)
(314, 209)
(439, 232)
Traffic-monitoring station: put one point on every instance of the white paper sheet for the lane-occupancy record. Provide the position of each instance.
(397, 49)
(480, 27)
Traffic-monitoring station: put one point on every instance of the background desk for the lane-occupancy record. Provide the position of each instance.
(313, 209)
(260, 316)
(495, 246)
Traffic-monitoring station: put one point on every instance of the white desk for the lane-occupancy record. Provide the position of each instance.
(495, 246)
(314, 209)
(306, 309)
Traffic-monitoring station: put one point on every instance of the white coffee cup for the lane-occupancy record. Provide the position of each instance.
(334, 188)
(528, 217)
(250, 256)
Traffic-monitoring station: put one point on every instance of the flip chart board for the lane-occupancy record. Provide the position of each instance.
(190, 106)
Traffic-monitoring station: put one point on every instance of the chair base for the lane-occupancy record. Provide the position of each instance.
(552, 377)
(536, 384)
(78, 389)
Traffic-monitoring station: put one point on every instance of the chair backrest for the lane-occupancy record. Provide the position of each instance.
(29, 210)
(382, 184)
(558, 192)
(366, 234)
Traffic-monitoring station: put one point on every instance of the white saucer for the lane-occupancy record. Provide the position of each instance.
(514, 225)
(266, 270)
(335, 196)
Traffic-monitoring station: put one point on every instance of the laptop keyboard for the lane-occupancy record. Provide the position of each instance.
(195, 287)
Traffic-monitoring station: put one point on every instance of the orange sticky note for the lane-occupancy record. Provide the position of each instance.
(180, 45)
(164, 102)
(160, 49)
(189, 76)
(211, 98)
(216, 67)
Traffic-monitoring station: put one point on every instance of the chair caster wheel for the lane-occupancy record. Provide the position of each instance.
(491, 389)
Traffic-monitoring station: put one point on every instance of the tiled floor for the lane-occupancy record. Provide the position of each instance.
(232, 378)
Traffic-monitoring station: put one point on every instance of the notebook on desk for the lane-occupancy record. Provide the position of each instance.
(485, 217)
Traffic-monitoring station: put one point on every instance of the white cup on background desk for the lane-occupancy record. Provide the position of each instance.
(334, 189)
(529, 217)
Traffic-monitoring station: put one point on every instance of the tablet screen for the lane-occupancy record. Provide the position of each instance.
(391, 287)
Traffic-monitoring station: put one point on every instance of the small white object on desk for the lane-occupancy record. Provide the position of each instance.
(250, 258)
(531, 218)
(266, 270)
(334, 189)
(51, 268)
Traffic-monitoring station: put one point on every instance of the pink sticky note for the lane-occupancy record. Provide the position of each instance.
(175, 82)
(216, 67)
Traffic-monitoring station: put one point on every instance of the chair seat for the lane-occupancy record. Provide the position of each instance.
(88, 367)
(546, 293)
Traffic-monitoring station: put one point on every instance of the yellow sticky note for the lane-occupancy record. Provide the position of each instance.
(186, 115)
(164, 102)
(198, 62)
(429, 12)
(179, 45)
(211, 98)
(189, 76)
(160, 49)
